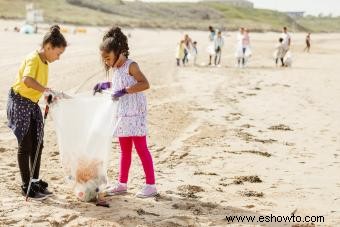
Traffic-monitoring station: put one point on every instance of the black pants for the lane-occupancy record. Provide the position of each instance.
(26, 154)
(185, 58)
(282, 61)
(218, 57)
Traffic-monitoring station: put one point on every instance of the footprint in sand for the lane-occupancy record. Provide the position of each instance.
(262, 153)
(238, 180)
(280, 127)
(265, 140)
(189, 191)
(249, 193)
(204, 173)
(12, 164)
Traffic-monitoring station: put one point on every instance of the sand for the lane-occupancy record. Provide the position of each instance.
(225, 141)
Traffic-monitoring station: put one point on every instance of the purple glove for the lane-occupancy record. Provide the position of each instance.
(101, 86)
(119, 94)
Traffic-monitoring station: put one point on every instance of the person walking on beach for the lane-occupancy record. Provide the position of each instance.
(128, 83)
(211, 44)
(218, 45)
(279, 52)
(245, 47)
(24, 114)
(187, 48)
(194, 52)
(180, 52)
(286, 40)
(239, 48)
(308, 44)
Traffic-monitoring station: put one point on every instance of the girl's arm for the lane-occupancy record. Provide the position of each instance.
(32, 83)
(142, 82)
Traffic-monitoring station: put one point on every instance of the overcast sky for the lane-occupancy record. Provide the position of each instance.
(313, 7)
(309, 6)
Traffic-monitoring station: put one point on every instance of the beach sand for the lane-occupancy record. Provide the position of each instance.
(225, 141)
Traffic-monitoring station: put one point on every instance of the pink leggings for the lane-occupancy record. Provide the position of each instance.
(143, 153)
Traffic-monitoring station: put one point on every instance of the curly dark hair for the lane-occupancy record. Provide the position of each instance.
(115, 40)
(54, 37)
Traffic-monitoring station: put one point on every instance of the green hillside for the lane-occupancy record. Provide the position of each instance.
(164, 15)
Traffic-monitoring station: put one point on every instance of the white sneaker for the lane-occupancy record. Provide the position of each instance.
(149, 190)
(117, 189)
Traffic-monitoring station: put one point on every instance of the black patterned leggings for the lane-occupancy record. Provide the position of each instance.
(26, 154)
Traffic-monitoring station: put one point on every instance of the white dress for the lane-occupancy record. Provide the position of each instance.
(131, 109)
(239, 46)
(211, 44)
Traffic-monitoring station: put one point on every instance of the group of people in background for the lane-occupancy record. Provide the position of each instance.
(282, 52)
(243, 52)
(187, 49)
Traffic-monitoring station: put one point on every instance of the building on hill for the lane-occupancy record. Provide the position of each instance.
(237, 3)
(295, 15)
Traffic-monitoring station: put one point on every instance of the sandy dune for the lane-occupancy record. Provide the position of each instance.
(225, 141)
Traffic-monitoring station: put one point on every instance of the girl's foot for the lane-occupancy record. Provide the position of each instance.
(149, 190)
(119, 188)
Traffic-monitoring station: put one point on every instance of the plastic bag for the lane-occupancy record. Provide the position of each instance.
(84, 128)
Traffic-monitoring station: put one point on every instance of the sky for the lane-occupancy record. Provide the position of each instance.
(313, 7)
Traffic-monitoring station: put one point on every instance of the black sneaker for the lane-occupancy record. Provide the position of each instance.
(33, 194)
(43, 183)
(41, 186)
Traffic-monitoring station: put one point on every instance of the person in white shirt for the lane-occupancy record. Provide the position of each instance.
(286, 39)
(239, 48)
(218, 44)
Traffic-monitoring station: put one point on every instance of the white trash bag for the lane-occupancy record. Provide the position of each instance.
(84, 128)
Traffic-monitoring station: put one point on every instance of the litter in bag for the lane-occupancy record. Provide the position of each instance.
(84, 128)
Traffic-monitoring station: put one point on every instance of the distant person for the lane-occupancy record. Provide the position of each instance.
(239, 48)
(286, 39)
(210, 48)
(307, 48)
(218, 45)
(180, 52)
(245, 47)
(187, 49)
(280, 52)
(194, 52)
(24, 114)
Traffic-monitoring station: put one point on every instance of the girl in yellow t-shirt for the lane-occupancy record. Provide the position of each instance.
(23, 112)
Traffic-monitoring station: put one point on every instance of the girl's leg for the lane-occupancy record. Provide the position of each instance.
(34, 150)
(219, 57)
(125, 158)
(243, 56)
(145, 157)
(24, 151)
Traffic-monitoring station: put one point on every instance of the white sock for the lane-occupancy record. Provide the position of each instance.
(123, 184)
(151, 185)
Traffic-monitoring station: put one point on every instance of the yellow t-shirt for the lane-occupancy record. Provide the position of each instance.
(33, 67)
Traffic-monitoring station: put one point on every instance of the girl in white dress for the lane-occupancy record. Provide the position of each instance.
(128, 82)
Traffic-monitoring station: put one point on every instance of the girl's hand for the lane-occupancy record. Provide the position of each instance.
(118, 94)
(99, 87)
